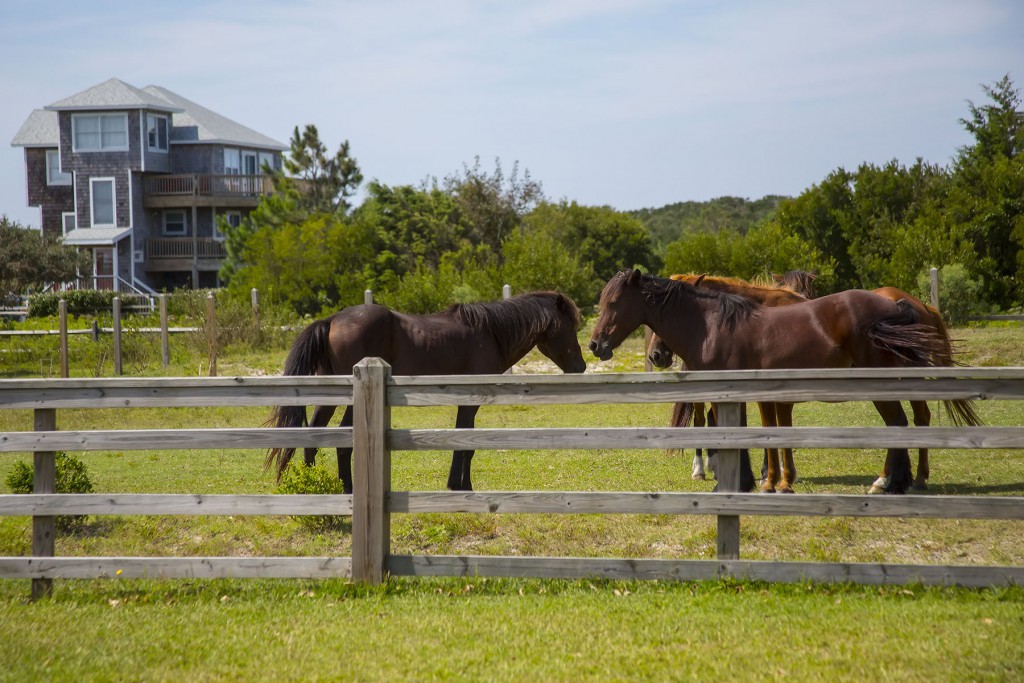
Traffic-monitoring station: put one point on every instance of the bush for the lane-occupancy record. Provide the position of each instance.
(959, 293)
(301, 478)
(79, 302)
(72, 477)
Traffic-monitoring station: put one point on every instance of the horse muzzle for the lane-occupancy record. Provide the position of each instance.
(660, 360)
(602, 349)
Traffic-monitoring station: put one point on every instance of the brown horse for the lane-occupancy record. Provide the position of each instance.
(789, 289)
(716, 331)
(466, 339)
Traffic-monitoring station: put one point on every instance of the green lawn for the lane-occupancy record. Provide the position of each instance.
(478, 629)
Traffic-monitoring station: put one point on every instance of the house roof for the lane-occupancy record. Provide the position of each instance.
(112, 94)
(39, 130)
(197, 124)
(191, 123)
(95, 237)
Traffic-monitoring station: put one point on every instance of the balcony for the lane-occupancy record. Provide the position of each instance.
(174, 254)
(199, 189)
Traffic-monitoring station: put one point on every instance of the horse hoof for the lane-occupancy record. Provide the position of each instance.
(785, 489)
(875, 490)
(765, 488)
(920, 486)
(698, 477)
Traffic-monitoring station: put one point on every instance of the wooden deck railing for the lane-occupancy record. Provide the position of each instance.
(185, 247)
(373, 393)
(210, 185)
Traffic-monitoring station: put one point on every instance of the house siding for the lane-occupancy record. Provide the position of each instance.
(52, 200)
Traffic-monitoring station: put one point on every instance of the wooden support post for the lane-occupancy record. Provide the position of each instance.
(368, 297)
(506, 292)
(165, 341)
(117, 336)
(371, 521)
(211, 331)
(95, 331)
(62, 314)
(729, 415)
(254, 295)
(44, 480)
(935, 288)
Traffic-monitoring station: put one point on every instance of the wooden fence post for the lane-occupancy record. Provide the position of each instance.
(371, 521)
(935, 288)
(211, 331)
(165, 342)
(729, 415)
(368, 297)
(44, 480)
(254, 295)
(62, 314)
(117, 336)
(506, 292)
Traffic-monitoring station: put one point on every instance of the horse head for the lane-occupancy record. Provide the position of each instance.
(621, 310)
(659, 354)
(560, 342)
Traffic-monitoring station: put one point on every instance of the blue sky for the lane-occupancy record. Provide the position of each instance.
(606, 102)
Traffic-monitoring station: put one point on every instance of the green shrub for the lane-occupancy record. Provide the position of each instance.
(79, 302)
(959, 293)
(71, 477)
(302, 478)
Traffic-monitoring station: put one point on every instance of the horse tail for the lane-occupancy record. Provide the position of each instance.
(960, 411)
(308, 356)
(682, 416)
(914, 343)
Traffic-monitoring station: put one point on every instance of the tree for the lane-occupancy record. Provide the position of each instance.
(491, 205)
(29, 260)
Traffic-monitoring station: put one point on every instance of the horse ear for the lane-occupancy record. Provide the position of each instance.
(633, 276)
(779, 279)
(700, 279)
(811, 275)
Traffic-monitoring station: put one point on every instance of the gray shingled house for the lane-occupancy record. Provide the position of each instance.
(138, 177)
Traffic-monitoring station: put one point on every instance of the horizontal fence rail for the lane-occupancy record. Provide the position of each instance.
(373, 394)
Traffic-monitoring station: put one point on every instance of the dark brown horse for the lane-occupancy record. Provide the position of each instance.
(716, 331)
(466, 339)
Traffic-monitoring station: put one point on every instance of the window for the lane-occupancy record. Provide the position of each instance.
(156, 132)
(266, 159)
(100, 132)
(249, 166)
(68, 221)
(232, 218)
(101, 191)
(232, 162)
(174, 223)
(53, 172)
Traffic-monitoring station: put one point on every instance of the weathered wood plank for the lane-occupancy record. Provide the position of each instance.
(371, 420)
(702, 570)
(708, 437)
(162, 439)
(175, 567)
(44, 480)
(173, 504)
(729, 477)
(629, 502)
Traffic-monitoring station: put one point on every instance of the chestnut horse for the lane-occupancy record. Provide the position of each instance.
(789, 290)
(716, 331)
(466, 339)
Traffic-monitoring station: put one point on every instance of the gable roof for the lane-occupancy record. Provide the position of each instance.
(191, 123)
(112, 94)
(39, 130)
(197, 124)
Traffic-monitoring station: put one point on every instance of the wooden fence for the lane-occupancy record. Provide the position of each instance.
(373, 393)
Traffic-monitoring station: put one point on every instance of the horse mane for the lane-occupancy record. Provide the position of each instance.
(511, 320)
(732, 308)
(737, 285)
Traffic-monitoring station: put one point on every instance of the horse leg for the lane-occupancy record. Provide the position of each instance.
(321, 416)
(897, 459)
(345, 455)
(458, 475)
(922, 418)
(784, 418)
(698, 457)
(712, 421)
(769, 474)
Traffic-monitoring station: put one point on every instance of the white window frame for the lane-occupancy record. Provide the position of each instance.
(234, 219)
(184, 223)
(250, 162)
(54, 176)
(232, 161)
(100, 118)
(92, 202)
(153, 127)
(64, 221)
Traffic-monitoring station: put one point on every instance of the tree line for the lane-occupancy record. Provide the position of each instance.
(460, 238)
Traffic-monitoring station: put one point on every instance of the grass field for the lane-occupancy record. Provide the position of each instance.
(478, 629)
